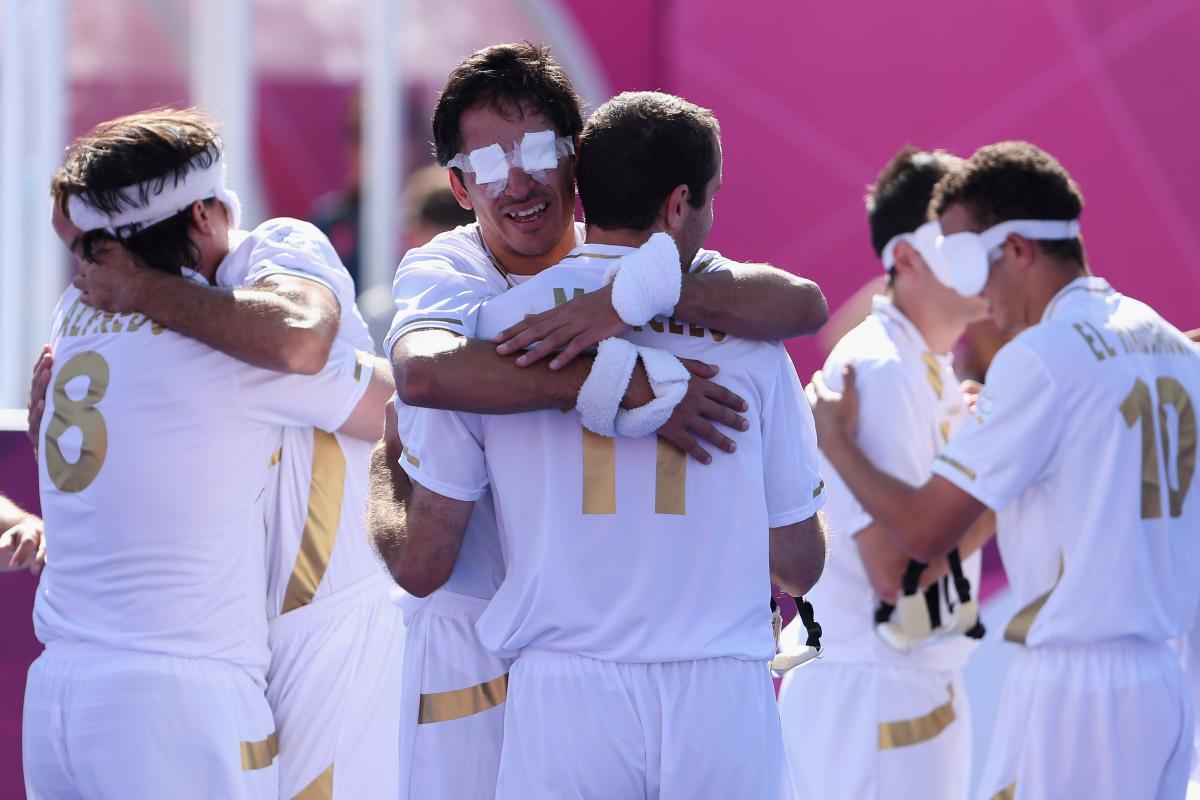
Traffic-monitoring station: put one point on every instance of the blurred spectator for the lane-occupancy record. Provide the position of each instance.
(429, 209)
(336, 213)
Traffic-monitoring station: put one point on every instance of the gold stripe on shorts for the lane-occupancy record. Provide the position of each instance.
(1007, 793)
(906, 732)
(459, 703)
(260, 754)
(320, 789)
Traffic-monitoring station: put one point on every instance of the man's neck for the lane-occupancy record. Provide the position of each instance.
(939, 333)
(1047, 283)
(617, 236)
(211, 258)
(519, 264)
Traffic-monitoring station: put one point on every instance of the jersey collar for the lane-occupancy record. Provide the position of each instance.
(1074, 292)
(598, 252)
(882, 306)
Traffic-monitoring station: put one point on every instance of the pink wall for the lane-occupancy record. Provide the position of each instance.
(814, 98)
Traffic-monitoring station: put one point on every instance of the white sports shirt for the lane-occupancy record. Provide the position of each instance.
(442, 285)
(909, 407)
(618, 548)
(153, 465)
(1086, 447)
(317, 498)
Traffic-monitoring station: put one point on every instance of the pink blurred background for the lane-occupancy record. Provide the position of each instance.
(812, 99)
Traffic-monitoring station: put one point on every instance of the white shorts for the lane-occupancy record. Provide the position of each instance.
(1099, 721)
(855, 731)
(580, 728)
(334, 687)
(453, 708)
(105, 723)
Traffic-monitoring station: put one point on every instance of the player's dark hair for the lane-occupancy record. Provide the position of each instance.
(636, 149)
(898, 201)
(504, 77)
(1014, 180)
(152, 148)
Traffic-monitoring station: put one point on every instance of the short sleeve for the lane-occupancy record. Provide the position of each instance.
(1018, 423)
(429, 293)
(710, 261)
(292, 247)
(791, 467)
(323, 401)
(443, 451)
(894, 430)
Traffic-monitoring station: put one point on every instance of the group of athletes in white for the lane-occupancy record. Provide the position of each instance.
(569, 608)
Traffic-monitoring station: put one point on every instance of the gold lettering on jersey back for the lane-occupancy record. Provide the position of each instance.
(68, 413)
(260, 754)
(907, 732)
(670, 479)
(1019, 626)
(81, 320)
(325, 492)
(459, 703)
(321, 787)
(599, 474)
(675, 327)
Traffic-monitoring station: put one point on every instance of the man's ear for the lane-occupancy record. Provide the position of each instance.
(674, 211)
(1023, 251)
(460, 191)
(202, 216)
(905, 258)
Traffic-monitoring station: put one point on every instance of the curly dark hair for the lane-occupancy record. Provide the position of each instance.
(504, 75)
(1014, 180)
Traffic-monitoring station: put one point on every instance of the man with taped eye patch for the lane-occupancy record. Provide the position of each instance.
(510, 101)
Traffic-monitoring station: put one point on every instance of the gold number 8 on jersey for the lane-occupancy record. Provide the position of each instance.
(77, 476)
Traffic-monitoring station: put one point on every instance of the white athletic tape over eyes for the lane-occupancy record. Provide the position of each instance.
(537, 152)
(600, 396)
(669, 381)
(646, 283)
(163, 202)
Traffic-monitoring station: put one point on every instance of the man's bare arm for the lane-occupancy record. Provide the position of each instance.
(885, 563)
(753, 301)
(439, 369)
(283, 322)
(367, 420)
(798, 553)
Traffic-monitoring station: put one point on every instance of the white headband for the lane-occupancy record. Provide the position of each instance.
(163, 201)
(922, 240)
(537, 152)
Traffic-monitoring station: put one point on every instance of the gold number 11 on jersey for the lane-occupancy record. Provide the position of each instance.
(1139, 406)
(600, 476)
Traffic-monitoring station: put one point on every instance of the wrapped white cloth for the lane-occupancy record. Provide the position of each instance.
(599, 401)
(646, 283)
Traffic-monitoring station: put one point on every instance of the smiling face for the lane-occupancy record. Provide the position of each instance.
(529, 226)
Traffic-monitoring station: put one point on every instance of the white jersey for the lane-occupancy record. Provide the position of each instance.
(442, 285)
(909, 406)
(600, 563)
(317, 498)
(1086, 447)
(153, 464)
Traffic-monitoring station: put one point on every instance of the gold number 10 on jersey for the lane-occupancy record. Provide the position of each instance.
(600, 476)
(1139, 406)
(78, 475)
